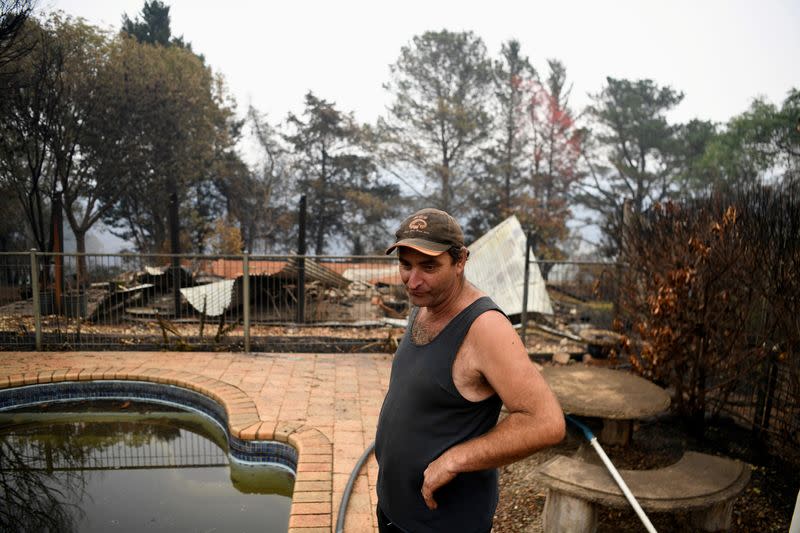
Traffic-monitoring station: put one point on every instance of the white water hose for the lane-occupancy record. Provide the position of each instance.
(614, 473)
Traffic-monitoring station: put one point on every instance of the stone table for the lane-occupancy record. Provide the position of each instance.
(615, 396)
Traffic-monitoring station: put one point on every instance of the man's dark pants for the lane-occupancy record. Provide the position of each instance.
(386, 526)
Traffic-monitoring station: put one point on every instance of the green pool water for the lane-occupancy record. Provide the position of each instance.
(122, 466)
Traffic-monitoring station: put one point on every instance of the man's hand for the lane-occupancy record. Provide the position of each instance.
(435, 476)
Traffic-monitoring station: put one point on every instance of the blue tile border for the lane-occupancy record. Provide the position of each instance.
(245, 451)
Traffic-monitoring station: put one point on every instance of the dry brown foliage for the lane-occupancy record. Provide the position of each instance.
(711, 297)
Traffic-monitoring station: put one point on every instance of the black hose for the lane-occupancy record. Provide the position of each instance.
(349, 487)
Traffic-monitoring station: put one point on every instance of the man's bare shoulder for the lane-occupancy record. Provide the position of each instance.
(502, 359)
(492, 333)
(492, 323)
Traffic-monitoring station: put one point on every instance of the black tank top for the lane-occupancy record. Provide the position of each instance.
(423, 415)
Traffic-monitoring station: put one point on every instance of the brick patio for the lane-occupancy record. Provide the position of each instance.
(325, 405)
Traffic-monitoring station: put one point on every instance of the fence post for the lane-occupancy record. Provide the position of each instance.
(766, 393)
(524, 316)
(174, 245)
(246, 298)
(301, 262)
(772, 381)
(37, 312)
(625, 228)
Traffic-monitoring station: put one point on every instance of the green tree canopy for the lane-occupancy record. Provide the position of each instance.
(13, 14)
(154, 25)
(185, 130)
(761, 143)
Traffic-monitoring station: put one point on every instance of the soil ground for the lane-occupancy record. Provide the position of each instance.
(766, 505)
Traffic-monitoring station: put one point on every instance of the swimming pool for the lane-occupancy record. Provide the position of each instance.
(90, 456)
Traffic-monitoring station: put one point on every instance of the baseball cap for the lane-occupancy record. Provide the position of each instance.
(429, 231)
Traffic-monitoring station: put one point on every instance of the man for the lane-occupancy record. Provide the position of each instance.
(438, 442)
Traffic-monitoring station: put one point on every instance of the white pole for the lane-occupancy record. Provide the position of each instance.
(623, 486)
(587, 433)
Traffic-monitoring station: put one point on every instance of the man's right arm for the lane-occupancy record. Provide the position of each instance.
(535, 418)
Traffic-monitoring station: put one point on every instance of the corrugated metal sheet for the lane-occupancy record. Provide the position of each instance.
(233, 268)
(215, 297)
(338, 266)
(315, 272)
(154, 271)
(496, 265)
(374, 273)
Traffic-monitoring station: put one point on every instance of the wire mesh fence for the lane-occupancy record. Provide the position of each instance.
(767, 402)
(141, 301)
(582, 292)
(275, 302)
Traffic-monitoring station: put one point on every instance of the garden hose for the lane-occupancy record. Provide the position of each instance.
(349, 487)
(587, 433)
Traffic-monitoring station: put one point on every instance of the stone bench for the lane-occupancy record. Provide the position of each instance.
(704, 485)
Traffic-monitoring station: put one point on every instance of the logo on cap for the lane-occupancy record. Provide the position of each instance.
(418, 224)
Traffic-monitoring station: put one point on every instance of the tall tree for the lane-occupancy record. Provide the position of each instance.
(373, 203)
(51, 119)
(632, 134)
(439, 119)
(184, 130)
(26, 131)
(513, 78)
(226, 165)
(260, 198)
(506, 161)
(188, 132)
(555, 152)
(154, 25)
(77, 162)
(336, 174)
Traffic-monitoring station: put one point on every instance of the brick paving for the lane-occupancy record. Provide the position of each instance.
(325, 405)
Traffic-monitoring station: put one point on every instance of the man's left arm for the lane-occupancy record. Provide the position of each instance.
(535, 418)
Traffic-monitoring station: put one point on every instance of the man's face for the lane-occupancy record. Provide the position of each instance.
(429, 280)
